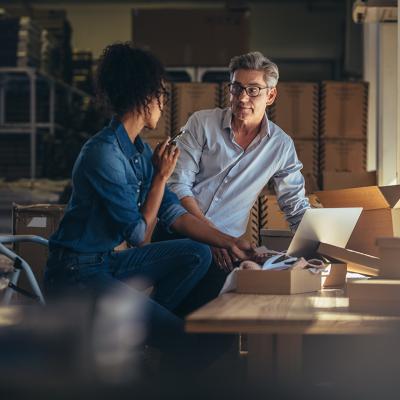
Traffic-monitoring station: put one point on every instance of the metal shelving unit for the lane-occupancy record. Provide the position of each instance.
(32, 76)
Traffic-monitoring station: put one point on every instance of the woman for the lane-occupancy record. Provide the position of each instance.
(119, 191)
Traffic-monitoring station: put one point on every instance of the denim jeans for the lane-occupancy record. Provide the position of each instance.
(173, 268)
(207, 288)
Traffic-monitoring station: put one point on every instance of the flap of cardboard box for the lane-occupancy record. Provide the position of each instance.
(392, 195)
(350, 256)
(39, 208)
(368, 197)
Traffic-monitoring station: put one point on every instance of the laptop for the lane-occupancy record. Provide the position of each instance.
(328, 225)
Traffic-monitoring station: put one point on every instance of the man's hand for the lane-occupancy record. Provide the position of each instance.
(242, 249)
(239, 250)
(222, 259)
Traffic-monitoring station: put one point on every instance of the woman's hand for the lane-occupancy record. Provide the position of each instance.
(164, 159)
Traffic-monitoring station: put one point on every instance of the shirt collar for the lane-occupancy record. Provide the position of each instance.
(227, 123)
(127, 147)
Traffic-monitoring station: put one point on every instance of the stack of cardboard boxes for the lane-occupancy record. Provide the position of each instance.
(296, 111)
(224, 95)
(190, 97)
(41, 220)
(379, 295)
(186, 98)
(343, 142)
(163, 129)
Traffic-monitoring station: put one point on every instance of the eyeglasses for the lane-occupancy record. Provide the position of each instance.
(252, 91)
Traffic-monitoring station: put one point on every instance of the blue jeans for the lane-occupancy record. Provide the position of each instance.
(173, 268)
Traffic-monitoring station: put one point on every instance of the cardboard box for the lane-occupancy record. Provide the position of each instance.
(378, 307)
(337, 276)
(307, 153)
(380, 217)
(276, 219)
(389, 252)
(224, 95)
(177, 36)
(41, 220)
(295, 109)
(272, 216)
(343, 155)
(163, 128)
(311, 182)
(344, 110)
(378, 296)
(276, 239)
(277, 282)
(356, 262)
(345, 180)
(191, 97)
(252, 233)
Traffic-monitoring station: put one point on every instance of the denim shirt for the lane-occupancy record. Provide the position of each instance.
(111, 179)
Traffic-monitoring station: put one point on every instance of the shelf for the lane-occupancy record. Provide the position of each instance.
(32, 126)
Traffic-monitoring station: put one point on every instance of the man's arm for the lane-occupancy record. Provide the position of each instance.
(221, 257)
(289, 188)
(190, 226)
(191, 145)
(191, 205)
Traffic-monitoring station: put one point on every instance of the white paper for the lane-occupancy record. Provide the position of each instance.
(230, 282)
(37, 222)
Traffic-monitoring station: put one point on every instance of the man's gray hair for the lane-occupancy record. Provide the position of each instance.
(256, 61)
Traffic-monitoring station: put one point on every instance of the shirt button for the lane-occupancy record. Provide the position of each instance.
(136, 160)
(139, 183)
(226, 180)
(216, 199)
(139, 204)
(137, 190)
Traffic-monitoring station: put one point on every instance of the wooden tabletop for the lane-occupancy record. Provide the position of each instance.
(324, 312)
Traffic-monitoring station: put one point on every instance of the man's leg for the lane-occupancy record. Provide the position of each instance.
(206, 290)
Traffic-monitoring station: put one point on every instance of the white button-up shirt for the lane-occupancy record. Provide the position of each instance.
(226, 180)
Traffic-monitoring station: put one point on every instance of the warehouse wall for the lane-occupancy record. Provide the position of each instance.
(295, 30)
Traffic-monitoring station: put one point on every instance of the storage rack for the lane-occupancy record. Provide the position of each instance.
(32, 127)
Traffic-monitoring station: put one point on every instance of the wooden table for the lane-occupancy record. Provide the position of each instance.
(275, 325)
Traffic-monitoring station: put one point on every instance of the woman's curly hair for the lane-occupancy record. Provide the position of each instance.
(128, 79)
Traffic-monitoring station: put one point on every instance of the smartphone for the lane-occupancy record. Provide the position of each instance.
(176, 136)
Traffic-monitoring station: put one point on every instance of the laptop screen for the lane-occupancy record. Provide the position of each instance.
(328, 225)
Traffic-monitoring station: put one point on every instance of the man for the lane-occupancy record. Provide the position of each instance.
(228, 156)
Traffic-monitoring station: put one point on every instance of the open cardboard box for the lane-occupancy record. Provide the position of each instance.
(277, 282)
(380, 216)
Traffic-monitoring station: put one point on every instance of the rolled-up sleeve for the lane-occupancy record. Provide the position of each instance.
(170, 209)
(106, 173)
(289, 187)
(191, 146)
